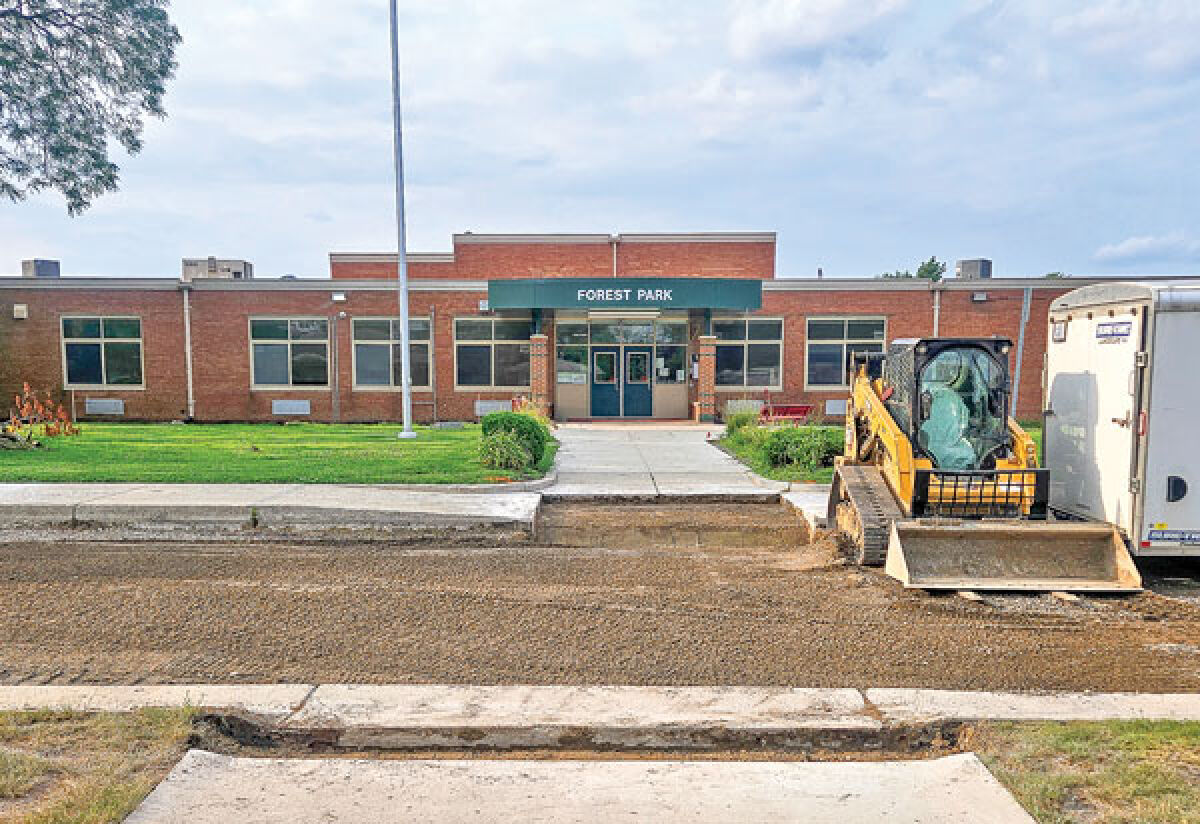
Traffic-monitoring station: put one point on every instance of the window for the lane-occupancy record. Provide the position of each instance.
(670, 352)
(830, 342)
(289, 352)
(571, 352)
(102, 352)
(492, 352)
(377, 353)
(749, 352)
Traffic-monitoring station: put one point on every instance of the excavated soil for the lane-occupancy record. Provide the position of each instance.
(168, 612)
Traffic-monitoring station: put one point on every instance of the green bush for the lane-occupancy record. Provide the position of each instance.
(504, 449)
(809, 447)
(740, 420)
(532, 432)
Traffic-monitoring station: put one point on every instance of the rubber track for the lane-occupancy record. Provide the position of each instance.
(877, 509)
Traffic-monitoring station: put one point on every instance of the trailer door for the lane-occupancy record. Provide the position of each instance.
(1091, 414)
(1171, 501)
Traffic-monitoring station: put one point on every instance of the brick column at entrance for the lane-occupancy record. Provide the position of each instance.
(706, 387)
(539, 372)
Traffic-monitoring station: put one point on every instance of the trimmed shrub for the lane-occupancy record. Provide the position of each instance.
(809, 447)
(740, 420)
(503, 449)
(532, 432)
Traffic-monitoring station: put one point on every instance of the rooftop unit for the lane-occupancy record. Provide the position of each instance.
(217, 269)
(973, 269)
(39, 268)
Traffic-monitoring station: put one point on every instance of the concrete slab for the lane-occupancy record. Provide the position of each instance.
(272, 700)
(369, 505)
(915, 705)
(810, 500)
(416, 716)
(205, 788)
(637, 461)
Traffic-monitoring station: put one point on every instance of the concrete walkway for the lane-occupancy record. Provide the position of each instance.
(651, 461)
(205, 788)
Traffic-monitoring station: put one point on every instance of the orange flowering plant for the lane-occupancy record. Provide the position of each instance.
(36, 414)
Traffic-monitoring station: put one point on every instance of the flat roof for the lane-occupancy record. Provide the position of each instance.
(427, 284)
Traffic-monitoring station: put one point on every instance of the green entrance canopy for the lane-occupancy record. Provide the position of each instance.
(625, 293)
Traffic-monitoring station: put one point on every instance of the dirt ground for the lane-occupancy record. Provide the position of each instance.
(170, 612)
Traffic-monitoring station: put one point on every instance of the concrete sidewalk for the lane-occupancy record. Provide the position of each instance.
(462, 717)
(265, 505)
(662, 461)
(205, 788)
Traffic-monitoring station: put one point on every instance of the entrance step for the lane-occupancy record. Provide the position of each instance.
(205, 788)
(680, 525)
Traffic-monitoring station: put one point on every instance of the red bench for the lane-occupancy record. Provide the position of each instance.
(775, 412)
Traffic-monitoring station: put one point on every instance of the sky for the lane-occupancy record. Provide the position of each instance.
(870, 134)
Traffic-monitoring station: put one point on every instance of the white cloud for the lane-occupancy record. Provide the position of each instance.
(1176, 246)
(869, 133)
(768, 27)
(1156, 35)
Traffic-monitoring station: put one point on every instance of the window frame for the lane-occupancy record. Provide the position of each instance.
(491, 343)
(393, 344)
(290, 386)
(63, 340)
(745, 343)
(844, 341)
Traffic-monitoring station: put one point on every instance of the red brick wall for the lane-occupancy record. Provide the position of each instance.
(223, 392)
(910, 314)
(31, 350)
(707, 259)
(496, 261)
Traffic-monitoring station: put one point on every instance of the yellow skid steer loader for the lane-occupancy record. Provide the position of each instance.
(941, 487)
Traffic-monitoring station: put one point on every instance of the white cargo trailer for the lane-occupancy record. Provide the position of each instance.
(1122, 439)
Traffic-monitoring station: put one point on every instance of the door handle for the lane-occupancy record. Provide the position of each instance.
(1122, 421)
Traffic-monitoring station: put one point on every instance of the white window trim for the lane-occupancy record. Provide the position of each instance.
(288, 387)
(391, 387)
(102, 387)
(492, 387)
(841, 387)
(745, 387)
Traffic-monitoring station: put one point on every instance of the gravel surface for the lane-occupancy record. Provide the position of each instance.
(169, 612)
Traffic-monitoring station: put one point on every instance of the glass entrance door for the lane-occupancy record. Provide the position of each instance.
(606, 381)
(635, 392)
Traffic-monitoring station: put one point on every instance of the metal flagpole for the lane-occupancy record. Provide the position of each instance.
(402, 261)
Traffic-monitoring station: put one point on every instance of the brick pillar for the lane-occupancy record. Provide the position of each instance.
(706, 387)
(540, 373)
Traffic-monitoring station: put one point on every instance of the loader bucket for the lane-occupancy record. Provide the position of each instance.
(1010, 555)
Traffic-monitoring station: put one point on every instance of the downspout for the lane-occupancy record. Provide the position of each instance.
(336, 369)
(187, 349)
(937, 308)
(615, 241)
(1021, 348)
(433, 360)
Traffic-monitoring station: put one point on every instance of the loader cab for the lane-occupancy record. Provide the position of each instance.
(951, 397)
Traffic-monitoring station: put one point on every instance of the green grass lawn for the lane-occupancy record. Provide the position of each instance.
(747, 448)
(1120, 771)
(258, 453)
